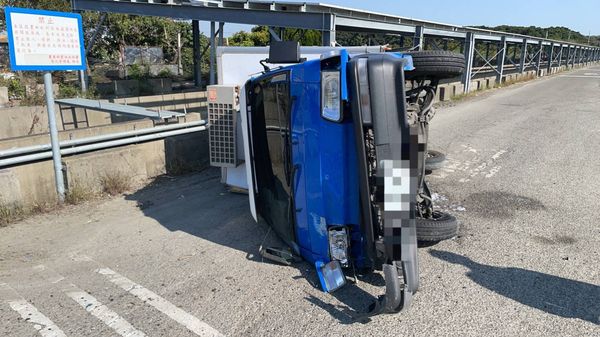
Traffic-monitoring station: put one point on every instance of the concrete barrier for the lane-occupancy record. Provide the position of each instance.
(136, 163)
(33, 120)
(4, 99)
(33, 184)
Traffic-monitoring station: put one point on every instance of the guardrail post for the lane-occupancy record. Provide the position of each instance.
(550, 58)
(500, 60)
(469, 53)
(418, 38)
(328, 33)
(523, 56)
(539, 58)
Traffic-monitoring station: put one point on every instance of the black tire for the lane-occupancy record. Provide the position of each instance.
(436, 64)
(442, 226)
(434, 160)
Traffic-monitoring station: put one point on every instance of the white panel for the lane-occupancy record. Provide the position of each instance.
(236, 65)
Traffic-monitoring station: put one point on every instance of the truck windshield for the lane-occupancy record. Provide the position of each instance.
(270, 113)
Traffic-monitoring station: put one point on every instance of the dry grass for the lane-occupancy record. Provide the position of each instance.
(78, 193)
(115, 183)
(524, 78)
(10, 213)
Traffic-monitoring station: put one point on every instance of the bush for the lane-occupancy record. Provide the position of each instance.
(16, 89)
(10, 213)
(115, 183)
(138, 72)
(165, 73)
(78, 193)
(68, 91)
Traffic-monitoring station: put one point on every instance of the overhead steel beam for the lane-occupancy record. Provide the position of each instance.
(294, 15)
(443, 33)
(359, 25)
(303, 20)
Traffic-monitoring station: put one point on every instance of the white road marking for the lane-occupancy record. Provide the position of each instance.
(90, 304)
(498, 154)
(493, 171)
(180, 316)
(29, 313)
(579, 76)
(103, 313)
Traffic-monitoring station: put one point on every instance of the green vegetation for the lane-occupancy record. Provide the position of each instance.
(16, 89)
(553, 33)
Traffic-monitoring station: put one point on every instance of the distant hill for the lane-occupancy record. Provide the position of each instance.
(554, 33)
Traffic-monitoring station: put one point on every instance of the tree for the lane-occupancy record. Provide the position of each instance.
(53, 5)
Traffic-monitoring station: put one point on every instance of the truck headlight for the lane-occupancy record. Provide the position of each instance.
(330, 275)
(331, 96)
(338, 245)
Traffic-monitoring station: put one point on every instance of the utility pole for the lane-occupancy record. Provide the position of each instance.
(179, 67)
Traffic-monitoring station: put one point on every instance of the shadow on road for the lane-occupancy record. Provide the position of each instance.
(552, 294)
(201, 206)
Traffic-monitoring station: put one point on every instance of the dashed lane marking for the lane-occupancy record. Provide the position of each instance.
(581, 76)
(180, 316)
(103, 313)
(90, 304)
(30, 313)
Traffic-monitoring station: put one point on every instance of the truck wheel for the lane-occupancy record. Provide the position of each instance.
(435, 64)
(435, 160)
(442, 226)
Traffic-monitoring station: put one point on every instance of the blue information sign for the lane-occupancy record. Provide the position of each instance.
(41, 40)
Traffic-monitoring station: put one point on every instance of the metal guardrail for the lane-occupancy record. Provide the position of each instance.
(28, 154)
(534, 51)
(114, 108)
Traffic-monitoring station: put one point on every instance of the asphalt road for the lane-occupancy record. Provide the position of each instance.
(179, 257)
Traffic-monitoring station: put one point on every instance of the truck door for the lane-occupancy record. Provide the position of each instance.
(268, 108)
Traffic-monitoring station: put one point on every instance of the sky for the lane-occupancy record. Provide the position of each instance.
(580, 15)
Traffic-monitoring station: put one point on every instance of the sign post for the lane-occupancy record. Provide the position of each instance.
(46, 41)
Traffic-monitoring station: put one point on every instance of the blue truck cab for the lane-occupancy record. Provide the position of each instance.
(333, 163)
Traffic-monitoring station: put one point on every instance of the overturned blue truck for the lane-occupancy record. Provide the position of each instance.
(336, 157)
